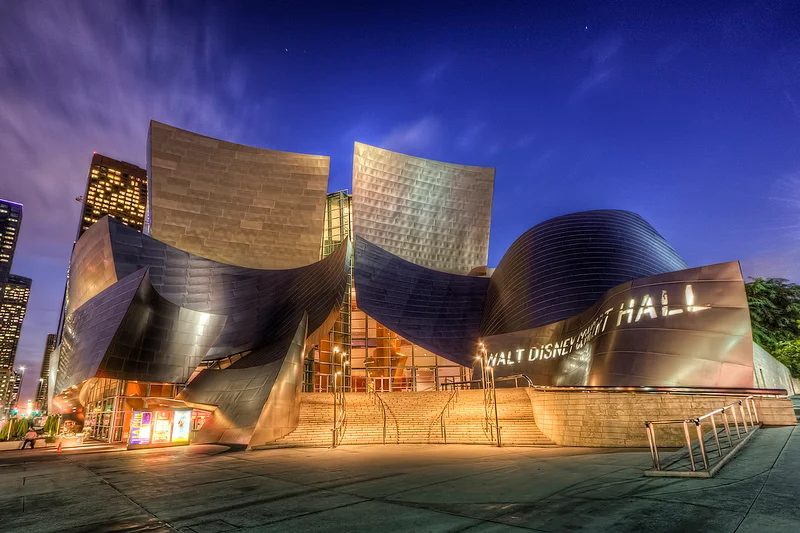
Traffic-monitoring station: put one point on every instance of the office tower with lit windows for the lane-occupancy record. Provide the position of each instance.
(10, 221)
(41, 390)
(114, 188)
(13, 305)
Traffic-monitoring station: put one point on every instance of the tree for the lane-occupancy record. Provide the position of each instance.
(774, 311)
(788, 353)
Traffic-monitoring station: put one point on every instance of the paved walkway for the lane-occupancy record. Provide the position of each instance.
(207, 489)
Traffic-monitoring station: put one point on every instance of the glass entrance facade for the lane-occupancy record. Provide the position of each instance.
(360, 353)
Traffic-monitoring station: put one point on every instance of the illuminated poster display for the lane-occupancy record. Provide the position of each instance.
(162, 427)
(140, 427)
(181, 424)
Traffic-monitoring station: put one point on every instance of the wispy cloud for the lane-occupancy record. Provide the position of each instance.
(602, 57)
(79, 77)
(414, 136)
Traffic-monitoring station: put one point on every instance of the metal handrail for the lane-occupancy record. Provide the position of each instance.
(340, 420)
(489, 405)
(450, 401)
(752, 414)
(516, 377)
(382, 404)
(447, 384)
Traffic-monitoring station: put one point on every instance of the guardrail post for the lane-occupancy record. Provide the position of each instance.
(755, 412)
(744, 420)
(651, 440)
(736, 423)
(689, 444)
(700, 440)
(727, 426)
(716, 437)
(749, 412)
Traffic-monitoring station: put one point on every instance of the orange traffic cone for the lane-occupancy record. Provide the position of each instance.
(60, 445)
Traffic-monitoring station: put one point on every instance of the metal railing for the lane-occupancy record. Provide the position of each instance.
(516, 378)
(752, 414)
(490, 406)
(468, 384)
(340, 418)
(377, 400)
(445, 412)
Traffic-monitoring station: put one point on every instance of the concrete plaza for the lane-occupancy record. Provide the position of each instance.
(207, 489)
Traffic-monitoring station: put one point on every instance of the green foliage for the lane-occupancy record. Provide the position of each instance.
(774, 311)
(788, 353)
(20, 428)
(51, 425)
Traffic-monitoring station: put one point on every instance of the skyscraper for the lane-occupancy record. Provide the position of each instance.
(13, 305)
(10, 221)
(114, 188)
(41, 391)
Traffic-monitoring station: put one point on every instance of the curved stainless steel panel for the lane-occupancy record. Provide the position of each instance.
(130, 332)
(232, 203)
(260, 304)
(431, 213)
(689, 328)
(561, 267)
(438, 311)
(253, 401)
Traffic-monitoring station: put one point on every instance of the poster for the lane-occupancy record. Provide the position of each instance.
(181, 424)
(162, 427)
(140, 427)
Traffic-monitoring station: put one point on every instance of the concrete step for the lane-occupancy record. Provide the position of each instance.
(416, 417)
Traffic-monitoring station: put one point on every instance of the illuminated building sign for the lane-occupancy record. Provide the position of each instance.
(689, 328)
(627, 313)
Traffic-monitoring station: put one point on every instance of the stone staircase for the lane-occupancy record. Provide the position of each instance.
(466, 425)
(415, 418)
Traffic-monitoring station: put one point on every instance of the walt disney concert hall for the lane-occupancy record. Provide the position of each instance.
(257, 309)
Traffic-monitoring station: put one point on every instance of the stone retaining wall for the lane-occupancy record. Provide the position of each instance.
(617, 419)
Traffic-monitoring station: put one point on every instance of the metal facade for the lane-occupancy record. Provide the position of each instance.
(232, 203)
(171, 309)
(260, 303)
(438, 311)
(561, 267)
(433, 214)
(689, 328)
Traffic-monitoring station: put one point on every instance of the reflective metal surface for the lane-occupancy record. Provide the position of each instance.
(171, 309)
(431, 213)
(131, 332)
(561, 267)
(252, 404)
(438, 311)
(260, 304)
(689, 328)
(232, 203)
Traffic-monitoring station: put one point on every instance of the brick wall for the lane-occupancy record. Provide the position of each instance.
(617, 419)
